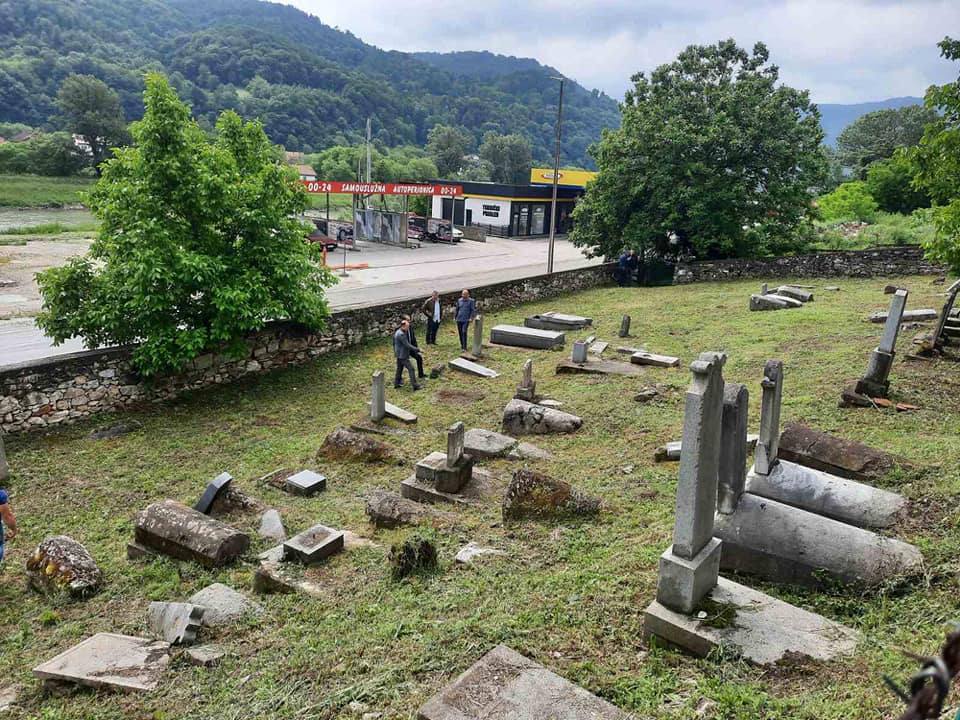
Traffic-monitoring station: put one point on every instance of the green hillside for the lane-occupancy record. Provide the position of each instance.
(313, 86)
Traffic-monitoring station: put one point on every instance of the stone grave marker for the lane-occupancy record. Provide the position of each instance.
(306, 483)
(924, 315)
(597, 348)
(60, 564)
(876, 382)
(527, 389)
(177, 623)
(223, 605)
(644, 358)
(792, 291)
(597, 366)
(670, 452)
(579, 352)
(835, 455)
(557, 321)
(378, 397)
(455, 444)
(524, 418)
(173, 529)
(478, 337)
(313, 545)
(472, 368)
(771, 398)
(110, 661)
(517, 336)
(624, 327)
(733, 447)
(220, 484)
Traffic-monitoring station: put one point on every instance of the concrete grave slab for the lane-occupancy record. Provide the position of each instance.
(557, 321)
(790, 302)
(644, 358)
(283, 577)
(504, 685)
(306, 483)
(223, 604)
(597, 366)
(206, 655)
(598, 347)
(435, 469)
(313, 545)
(111, 662)
(527, 451)
(389, 510)
(472, 368)
(173, 529)
(835, 455)
(480, 487)
(579, 355)
(523, 418)
(482, 444)
(220, 484)
(768, 302)
(797, 293)
(398, 413)
(271, 526)
(670, 452)
(176, 623)
(526, 337)
(923, 315)
(764, 629)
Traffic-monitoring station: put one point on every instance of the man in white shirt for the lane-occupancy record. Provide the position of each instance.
(431, 308)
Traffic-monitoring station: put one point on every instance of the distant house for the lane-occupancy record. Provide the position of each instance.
(306, 172)
(22, 136)
(82, 146)
(294, 158)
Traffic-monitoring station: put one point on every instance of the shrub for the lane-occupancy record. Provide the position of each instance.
(850, 201)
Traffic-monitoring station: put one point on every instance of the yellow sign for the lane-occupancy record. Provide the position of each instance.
(574, 178)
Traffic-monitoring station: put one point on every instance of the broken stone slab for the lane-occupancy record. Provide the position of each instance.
(282, 577)
(624, 330)
(761, 628)
(783, 543)
(644, 358)
(532, 494)
(908, 316)
(398, 413)
(471, 551)
(389, 510)
(797, 293)
(271, 526)
(523, 418)
(849, 397)
(206, 655)
(597, 366)
(472, 368)
(671, 451)
(111, 662)
(597, 348)
(435, 469)
(305, 483)
(768, 302)
(176, 623)
(378, 397)
(478, 488)
(526, 451)
(313, 545)
(223, 605)
(626, 350)
(517, 336)
(834, 497)
(345, 444)
(173, 529)
(483, 444)
(507, 686)
(791, 302)
(835, 455)
(220, 484)
(62, 565)
(557, 321)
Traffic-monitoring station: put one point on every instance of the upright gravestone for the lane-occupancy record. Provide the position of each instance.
(579, 352)
(478, 337)
(4, 466)
(527, 389)
(378, 398)
(690, 567)
(624, 326)
(767, 445)
(455, 444)
(876, 382)
(733, 447)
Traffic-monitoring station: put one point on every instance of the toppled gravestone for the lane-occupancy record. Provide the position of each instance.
(533, 494)
(174, 622)
(110, 661)
(345, 444)
(524, 418)
(223, 604)
(837, 456)
(174, 529)
(389, 510)
(271, 526)
(62, 565)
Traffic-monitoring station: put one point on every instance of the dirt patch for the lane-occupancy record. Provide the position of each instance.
(22, 262)
(928, 512)
(459, 397)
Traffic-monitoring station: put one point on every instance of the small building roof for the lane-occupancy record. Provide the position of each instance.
(306, 170)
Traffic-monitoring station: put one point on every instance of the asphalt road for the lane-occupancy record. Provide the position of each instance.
(393, 274)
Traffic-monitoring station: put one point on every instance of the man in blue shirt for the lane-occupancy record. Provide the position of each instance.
(466, 311)
(8, 523)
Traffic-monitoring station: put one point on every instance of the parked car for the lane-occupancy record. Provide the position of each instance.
(342, 231)
(319, 236)
(438, 230)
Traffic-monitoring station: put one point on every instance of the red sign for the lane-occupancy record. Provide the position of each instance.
(338, 187)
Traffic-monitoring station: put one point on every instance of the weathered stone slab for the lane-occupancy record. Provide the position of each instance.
(306, 483)
(768, 302)
(480, 487)
(313, 545)
(598, 347)
(671, 451)
(533, 494)
(504, 685)
(923, 315)
(398, 413)
(472, 368)
(624, 330)
(523, 418)
(281, 577)
(389, 510)
(764, 630)
(174, 622)
(828, 495)
(481, 443)
(223, 605)
(271, 526)
(597, 366)
(782, 543)
(527, 451)
(733, 447)
(792, 291)
(62, 565)
(835, 455)
(343, 443)
(109, 661)
(478, 337)
(173, 529)
(579, 352)
(791, 302)
(435, 469)
(526, 337)
(206, 655)
(378, 397)
(557, 321)
(644, 358)
(770, 403)
(220, 484)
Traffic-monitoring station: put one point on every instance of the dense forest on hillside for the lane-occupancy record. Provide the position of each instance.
(313, 86)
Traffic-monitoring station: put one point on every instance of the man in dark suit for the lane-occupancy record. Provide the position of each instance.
(431, 308)
(413, 341)
(402, 350)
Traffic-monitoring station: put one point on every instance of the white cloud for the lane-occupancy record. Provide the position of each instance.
(841, 50)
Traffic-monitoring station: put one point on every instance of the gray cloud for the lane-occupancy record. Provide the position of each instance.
(841, 50)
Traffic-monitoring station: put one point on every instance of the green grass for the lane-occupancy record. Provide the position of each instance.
(570, 595)
(39, 191)
(886, 229)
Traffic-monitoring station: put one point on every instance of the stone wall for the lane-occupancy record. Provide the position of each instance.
(877, 262)
(64, 389)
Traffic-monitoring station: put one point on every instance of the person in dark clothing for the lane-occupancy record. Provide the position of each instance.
(431, 308)
(623, 268)
(403, 350)
(633, 265)
(466, 311)
(413, 341)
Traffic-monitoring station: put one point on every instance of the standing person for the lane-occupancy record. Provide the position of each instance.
(623, 268)
(634, 266)
(431, 308)
(402, 349)
(413, 341)
(8, 523)
(466, 311)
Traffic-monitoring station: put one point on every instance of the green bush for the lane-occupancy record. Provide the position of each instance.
(49, 154)
(890, 182)
(850, 201)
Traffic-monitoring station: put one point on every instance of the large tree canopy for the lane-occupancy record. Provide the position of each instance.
(92, 110)
(713, 157)
(877, 135)
(509, 157)
(198, 244)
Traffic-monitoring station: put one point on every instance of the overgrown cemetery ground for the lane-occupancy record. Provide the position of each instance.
(569, 595)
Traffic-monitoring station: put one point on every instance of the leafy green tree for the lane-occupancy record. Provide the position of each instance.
(509, 157)
(938, 165)
(877, 135)
(92, 110)
(446, 146)
(850, 201)
(890, 182)
(714, 157)
(198, 244)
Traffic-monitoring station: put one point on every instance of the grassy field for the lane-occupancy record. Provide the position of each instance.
(570, 595)
(37, 191)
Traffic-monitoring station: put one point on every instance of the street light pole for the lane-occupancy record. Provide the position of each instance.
(556, 177)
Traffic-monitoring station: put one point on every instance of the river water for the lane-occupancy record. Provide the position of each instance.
(26, 217)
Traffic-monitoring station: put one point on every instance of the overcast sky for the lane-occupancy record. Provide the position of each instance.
(843, 51)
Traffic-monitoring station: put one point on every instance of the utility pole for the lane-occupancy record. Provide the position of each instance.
(556, 177)
(369, 173)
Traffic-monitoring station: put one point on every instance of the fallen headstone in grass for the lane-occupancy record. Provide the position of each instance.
(524, 418)
(108, 661)
(389, 510)
(173, 529)
(533, 494)
(345, 444)
(176, 623)
(223, 604)
(62, 565)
